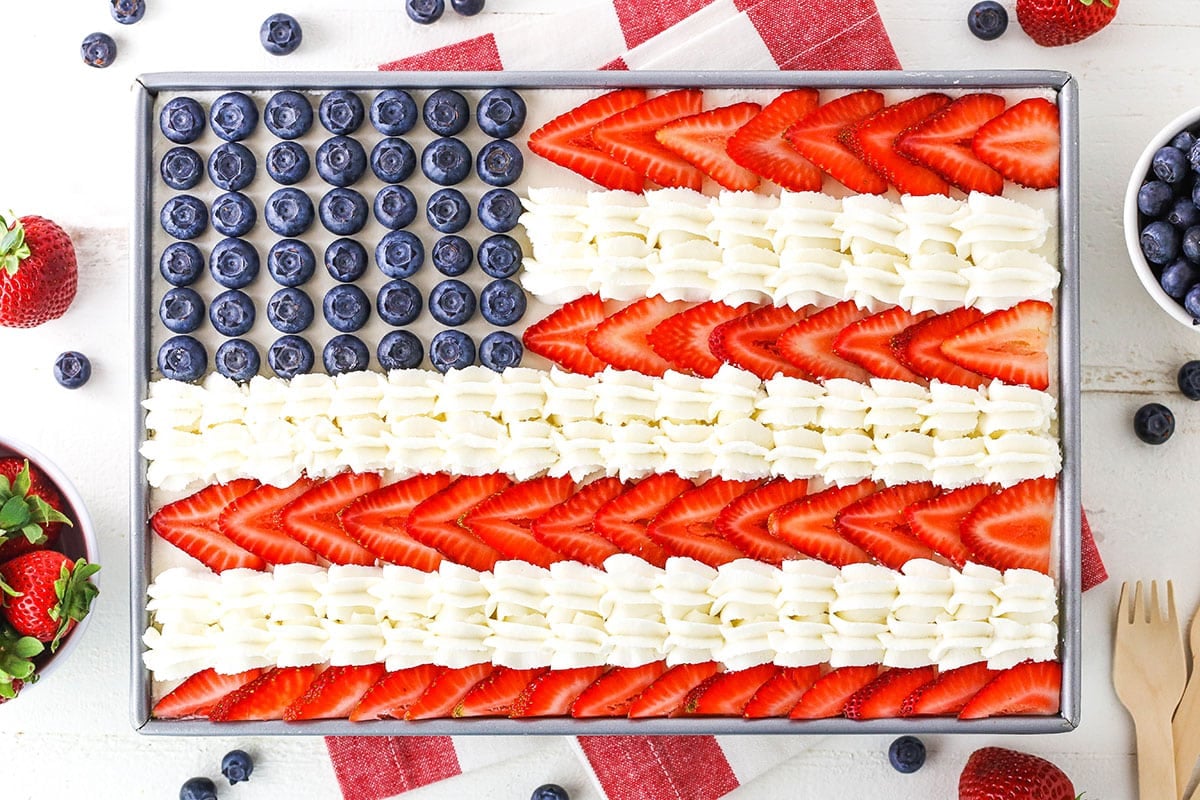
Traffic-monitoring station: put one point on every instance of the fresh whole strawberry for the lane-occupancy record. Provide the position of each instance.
(45, 594)
(16, 661)
(38, 275)
(1051, 23)
(30, 509)
(995, 773)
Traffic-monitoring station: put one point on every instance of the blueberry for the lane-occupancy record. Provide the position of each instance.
(446, 112)
(237, 359)
(232, 313)
(290, 311)
(446, 161)
(451, 350)
(345, 260)
(345, 353)
(232, 167)
(1183, 213)
(395, 207)
(180, 263)
(1191, 303)
(181, 120)
(280, 34)
(425, 12)
(393, 160)
(343, 211)
(499, 162)
(988, 20)
(452, 302)
(468, 8)
(502, 302)
(198, 789)
(341, 161)
(1154, 423)
(1194, 157)
(499, 210)
(288, 114)
(72, 369)
(98, 50)
(181, 310)
(1178, 278)
(289, 356)
(233, 214)
(1169, 164)
(1189, 380)
(907, 754)
(233, 116)
(287, 163)
(346, 307)
(500, 350)
(1154, 198)
(291, 262)
(184, 217)
(341, 112)
(399, 254)
(1160, 242)
(550, 791)
(233, 263)
(398, 303)
(400, 350)
(1184, 140)
(236, 766)
(393, 112)
(1190, 244)
(288, 212)
(448, 211)
(500, 256)
(181, 168)
(182, 358)
(452, 255)
(128, 12)
(500, 113)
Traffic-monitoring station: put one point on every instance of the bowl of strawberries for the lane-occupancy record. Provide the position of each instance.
(47, 567)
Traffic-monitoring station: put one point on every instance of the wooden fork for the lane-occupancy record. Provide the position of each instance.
(1186, 726)
(1149, 673)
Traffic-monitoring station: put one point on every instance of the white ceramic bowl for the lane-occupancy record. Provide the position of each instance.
(1188, 120)
(75, 541)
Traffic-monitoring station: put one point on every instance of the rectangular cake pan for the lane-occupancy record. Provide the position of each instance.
(1060, 84)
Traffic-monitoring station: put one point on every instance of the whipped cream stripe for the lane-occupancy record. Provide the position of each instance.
(797, 249)
(526, 422)
(571, 615)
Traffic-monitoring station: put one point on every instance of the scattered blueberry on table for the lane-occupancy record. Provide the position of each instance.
(398, 302)
(182, 358)
(198, 789)
(290, 310)
(181, 120)
(499, 210)
(425, 12)
(448, 211)
(1189, 380)
(181, 263)
(451, 349)
(1154, 423)
(288, 212)
(393, 160)
(500, 113)
(499, 163)
(502, 302)
(237, 359)
(234, 263)
(399, 254)
(98, 50)
(72, 369)
(233, 116)
(343, 211)
(393, 112)
(291, 262)
(341, 112)
(127, 12)
(232, 166)
(500, 350)
(289, 356)
(395, 207)
(400, 350)
(232, 313)
(345, 260)
(446, 161)
(550, 791)
(280, 34)
(287, 163)
(288, 114)
(346, 307)
(907, 754)
(181, 168)
(452, 255)
(236, 766)
(233, 214)
(184, 217)
(181, 309)
(500, 256)
(468, 8)
(345, 353)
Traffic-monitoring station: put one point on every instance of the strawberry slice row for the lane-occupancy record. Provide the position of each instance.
(964, 347)
(369, 692)
(922, 145)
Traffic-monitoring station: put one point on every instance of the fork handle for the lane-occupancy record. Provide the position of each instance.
(1156, 759)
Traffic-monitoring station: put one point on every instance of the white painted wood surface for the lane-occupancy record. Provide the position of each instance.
(66, 152)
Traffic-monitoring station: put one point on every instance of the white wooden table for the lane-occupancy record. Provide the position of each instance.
(66, 147)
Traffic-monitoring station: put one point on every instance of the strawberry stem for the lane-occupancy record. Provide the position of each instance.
(75, 595)
(13, 247)
(22, 513)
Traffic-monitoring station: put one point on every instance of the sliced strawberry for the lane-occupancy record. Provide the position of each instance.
(809, 343)
(808, 524)
(943, 143)
(265, 697)
(685, 526)
(780, 694)
(314, 518)
(436, 521)
(562, 336)
(829, 695)
(623, 520)
(567, 141)
(254, 521)
(1011, 528)
(446, 691)
(503, 521)
(868, 343)
(614, 692)
(816, 136)
(567, 528)
(752, 341)
(701, 140)
(920, 348)
(883, 698)
(937, 520)
(683, 339)
(948, 692)
(1023, 143)
(552, 693)
(744, 520)
(665, 697)
(196, 696)
(494, 695)
(621, 340)
(379, 521)
(874, 141)
(395, 692)
(191, 524)
(628, 136)
(1009, 345)
(760, 147)
(1028, 688)
(727, 693)
(876, 524)
(335, 693)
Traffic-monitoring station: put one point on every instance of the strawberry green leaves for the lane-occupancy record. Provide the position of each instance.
(22, 513)
(75, 593)
(16, 664)
(13, 248)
